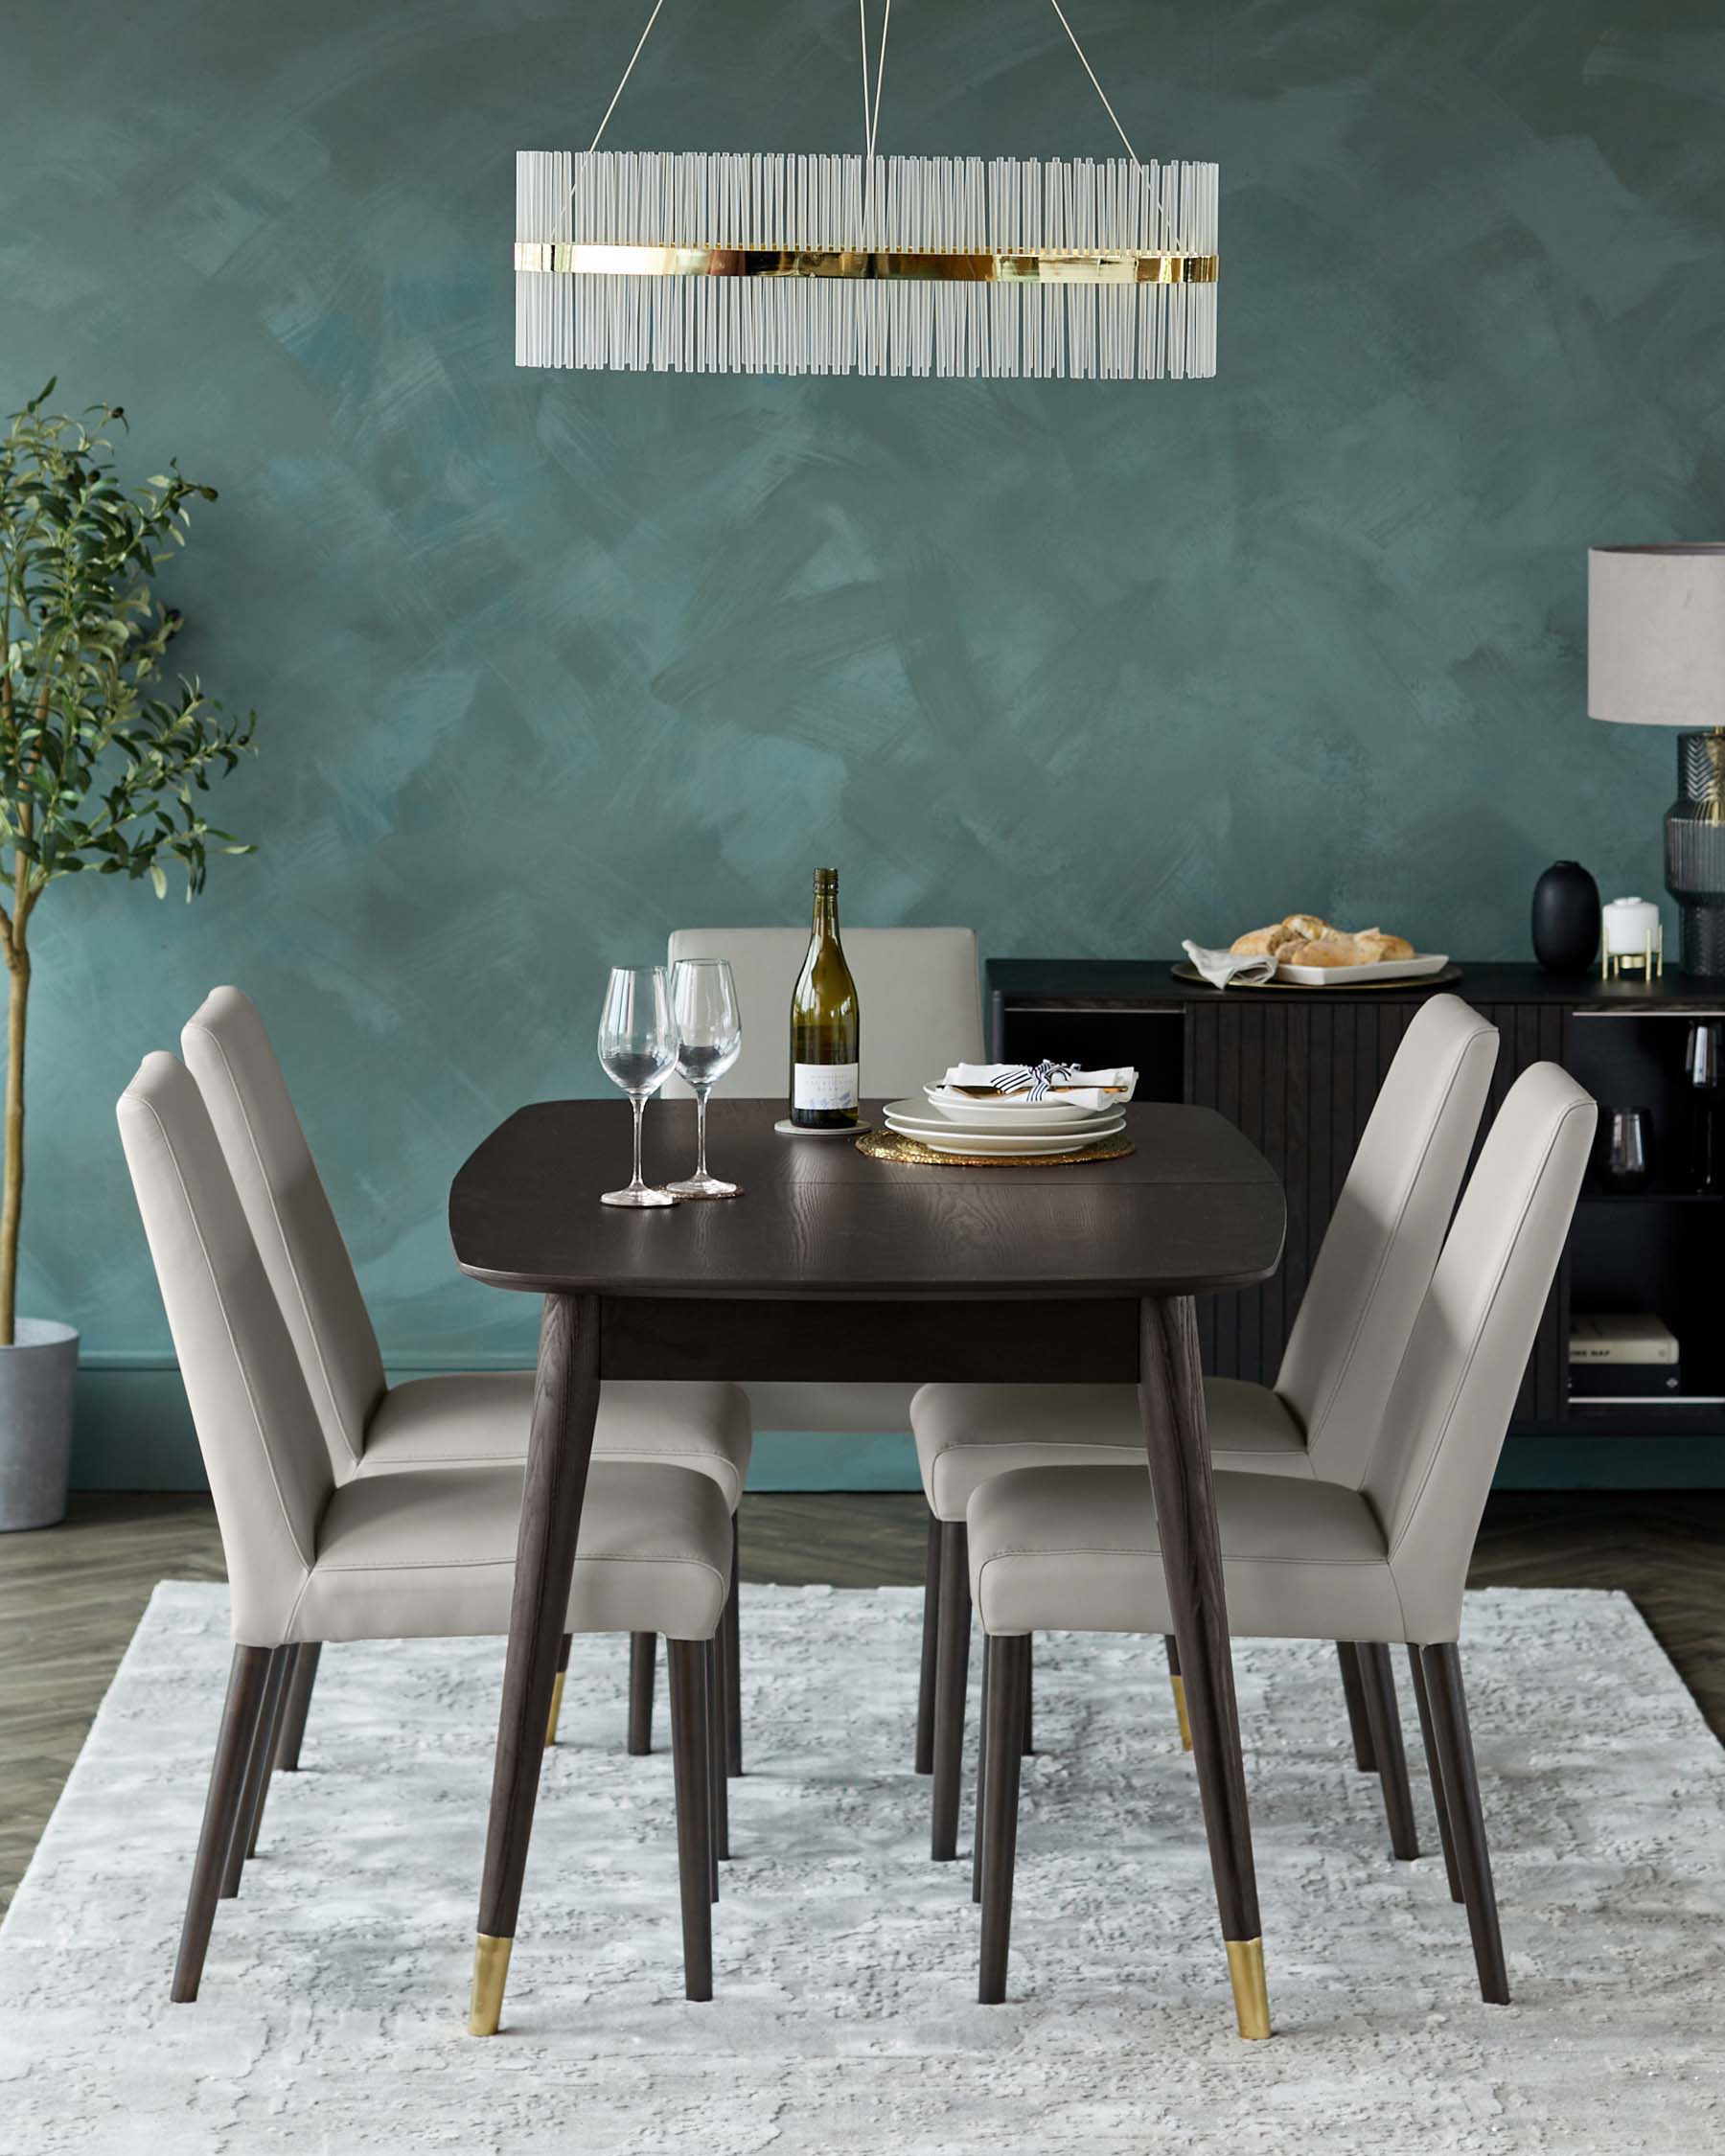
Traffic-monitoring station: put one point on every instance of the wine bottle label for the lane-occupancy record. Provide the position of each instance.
(823, 1085)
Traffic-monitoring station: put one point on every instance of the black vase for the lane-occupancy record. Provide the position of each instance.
(1566, 917)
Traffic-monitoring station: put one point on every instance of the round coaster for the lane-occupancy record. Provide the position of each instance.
(894, 1146)
(789, 1129)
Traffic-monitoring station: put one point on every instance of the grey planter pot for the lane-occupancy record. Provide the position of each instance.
(36, 1377)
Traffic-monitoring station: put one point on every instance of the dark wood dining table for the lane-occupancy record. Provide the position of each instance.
(834, 1265)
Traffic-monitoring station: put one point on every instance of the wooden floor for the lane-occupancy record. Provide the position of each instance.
(71, 1597)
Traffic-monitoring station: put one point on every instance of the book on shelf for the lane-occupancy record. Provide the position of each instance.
(1638, 1339)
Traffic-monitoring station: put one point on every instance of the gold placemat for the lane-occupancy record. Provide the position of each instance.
(894, 1146)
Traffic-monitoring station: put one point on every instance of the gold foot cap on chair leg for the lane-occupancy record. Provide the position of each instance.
(491, 1972)
(557, 1690)
(1252, 1999)
(1177, 1686)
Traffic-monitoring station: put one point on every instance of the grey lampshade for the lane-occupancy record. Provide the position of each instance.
(1656, 635)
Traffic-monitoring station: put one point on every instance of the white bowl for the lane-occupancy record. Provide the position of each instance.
(1013, 1112)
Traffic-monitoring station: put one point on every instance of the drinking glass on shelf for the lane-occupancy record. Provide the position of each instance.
(637, 1046)
(709, 1039)
(1625, 1148)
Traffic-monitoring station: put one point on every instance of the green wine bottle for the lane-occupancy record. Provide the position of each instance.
(825, 1026)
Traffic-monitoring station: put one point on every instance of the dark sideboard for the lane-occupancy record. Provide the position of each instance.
(1298, 1070)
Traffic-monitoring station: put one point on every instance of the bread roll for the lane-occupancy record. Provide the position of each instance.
(1310, 927)
(1262, 943)
(1320, 951)
(1376, 949)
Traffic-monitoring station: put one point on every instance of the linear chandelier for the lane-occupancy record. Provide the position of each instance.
(701, 262)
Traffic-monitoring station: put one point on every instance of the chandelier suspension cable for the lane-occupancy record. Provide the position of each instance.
(1084, 57)
(1095, 84)
(871, 117)
(630, 70)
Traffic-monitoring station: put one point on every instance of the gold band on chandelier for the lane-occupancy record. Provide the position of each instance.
(1042, 266)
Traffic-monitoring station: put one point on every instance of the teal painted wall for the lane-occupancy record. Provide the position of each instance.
(546, 664)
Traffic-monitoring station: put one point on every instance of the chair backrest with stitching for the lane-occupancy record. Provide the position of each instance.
(919, 989)
(1443, 1430)
(1383, 1239)
(263, 1449)
(229, 1054)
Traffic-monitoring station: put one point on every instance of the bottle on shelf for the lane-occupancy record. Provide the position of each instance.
(1701, 1068)
(825, 1024)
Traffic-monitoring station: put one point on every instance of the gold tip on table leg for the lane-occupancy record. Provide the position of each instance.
(491, 1971)
(557, 1690)
(1177, 1685)
(1252, 2000)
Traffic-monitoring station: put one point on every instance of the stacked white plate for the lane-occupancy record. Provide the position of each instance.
(1008, 1126)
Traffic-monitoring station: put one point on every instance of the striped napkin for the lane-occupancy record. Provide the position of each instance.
(1061, 1083)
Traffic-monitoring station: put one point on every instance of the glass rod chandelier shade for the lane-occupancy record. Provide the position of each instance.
(769, 265)
(764, 263)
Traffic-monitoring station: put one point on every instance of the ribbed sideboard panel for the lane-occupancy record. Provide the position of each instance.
(1299, 1078)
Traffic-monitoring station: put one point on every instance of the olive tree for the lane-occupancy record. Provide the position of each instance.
(104, 763)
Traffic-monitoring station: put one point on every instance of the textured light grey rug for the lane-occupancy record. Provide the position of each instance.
(845, 1963)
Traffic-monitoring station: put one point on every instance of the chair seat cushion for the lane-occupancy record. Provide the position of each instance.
(1054, 1550)
(967, 1433)
(413, 1555)
(475, 1418)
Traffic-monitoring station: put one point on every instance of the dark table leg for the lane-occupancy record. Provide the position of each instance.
(1177, 1439)
(565, 1400)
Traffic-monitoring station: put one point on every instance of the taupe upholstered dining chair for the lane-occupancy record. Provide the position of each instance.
(1320, 1420)
(396, 1553)
(1075, 1549)
(457, 1419)
(920, 994)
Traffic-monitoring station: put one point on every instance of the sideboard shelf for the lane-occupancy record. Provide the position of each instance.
(1299, 1072)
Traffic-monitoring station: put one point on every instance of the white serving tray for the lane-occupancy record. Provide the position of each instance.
(1415, 967)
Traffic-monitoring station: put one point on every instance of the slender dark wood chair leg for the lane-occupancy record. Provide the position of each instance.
(716, 1719)
(1353, 1696)
(951, 1675)
(557, 1690)
(298, 1706)
(257, 1773)
(643, 1660)
(1002, 1751)
(930, 1638)
(1377, 1679)
(1177, 1686)
(1177, 1441)
(1434, 1767)
(1467, 1821)
(732, 1636)
(248, 1678)
(1029, 1707)
(687, 1659)
(277, 1711)
(560, 1443)
(988, 1678)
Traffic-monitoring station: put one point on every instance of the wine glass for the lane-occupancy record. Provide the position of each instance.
(637, 1046)
(709, 1039)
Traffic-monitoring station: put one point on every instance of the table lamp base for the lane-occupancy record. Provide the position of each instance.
(1694, 831)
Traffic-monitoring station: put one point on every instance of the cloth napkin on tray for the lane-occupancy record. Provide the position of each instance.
(1221, 966)
(1062, 1082)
